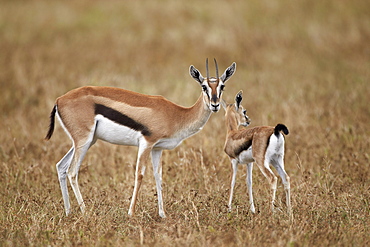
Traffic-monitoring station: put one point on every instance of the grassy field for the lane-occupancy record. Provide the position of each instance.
(302, 63)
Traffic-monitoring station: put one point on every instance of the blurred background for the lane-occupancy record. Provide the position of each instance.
(302, 63)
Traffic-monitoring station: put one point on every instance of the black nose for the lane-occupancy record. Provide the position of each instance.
(215, 107)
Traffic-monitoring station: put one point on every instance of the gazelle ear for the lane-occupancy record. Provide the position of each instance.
(228, 72)
(196, 74)
(238, 99)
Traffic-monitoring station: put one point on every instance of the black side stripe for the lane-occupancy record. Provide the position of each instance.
(243, 147)
(120, 118)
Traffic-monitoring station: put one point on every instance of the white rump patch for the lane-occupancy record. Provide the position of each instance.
(275, 149)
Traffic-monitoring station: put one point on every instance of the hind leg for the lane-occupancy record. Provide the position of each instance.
(62, 168)
(78, 157)
(81, 148)
(278, 163)
(264, 166)
(250, 186)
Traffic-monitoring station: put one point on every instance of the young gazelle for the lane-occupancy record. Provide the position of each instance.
(123, 117)
(263, 145)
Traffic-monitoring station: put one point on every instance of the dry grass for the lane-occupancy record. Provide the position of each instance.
(303, 63)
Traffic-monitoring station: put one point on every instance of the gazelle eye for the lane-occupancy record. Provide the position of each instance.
(244, 112)
(222, 87)
(204, 88)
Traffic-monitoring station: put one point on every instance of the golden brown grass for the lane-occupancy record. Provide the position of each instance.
(303, 63)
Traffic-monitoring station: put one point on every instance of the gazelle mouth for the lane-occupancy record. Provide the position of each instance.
(245, 124)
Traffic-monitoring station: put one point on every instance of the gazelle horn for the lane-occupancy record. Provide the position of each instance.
(207, 70)
(216, 69)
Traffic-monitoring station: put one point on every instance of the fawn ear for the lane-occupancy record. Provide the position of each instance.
(238, 99)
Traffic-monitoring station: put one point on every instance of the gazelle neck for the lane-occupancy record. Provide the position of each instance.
(197, 115)
(231, 122)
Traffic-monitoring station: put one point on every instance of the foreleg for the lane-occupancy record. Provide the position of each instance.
(142, 159)
(157, 170)
(234, 166)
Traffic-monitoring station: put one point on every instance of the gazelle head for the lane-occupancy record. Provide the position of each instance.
(241, 113)
(212, 86)
(237, 111)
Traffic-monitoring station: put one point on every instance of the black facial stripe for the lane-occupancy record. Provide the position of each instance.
(205, 89)
(243, 147)
(222, 87)
(120, 118)
(214, 98)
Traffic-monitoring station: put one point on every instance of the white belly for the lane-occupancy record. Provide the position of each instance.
(168, 143)
(115, 133)
(246, 156)
(112, 132)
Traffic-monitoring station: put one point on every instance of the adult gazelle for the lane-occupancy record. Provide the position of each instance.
(119, 116)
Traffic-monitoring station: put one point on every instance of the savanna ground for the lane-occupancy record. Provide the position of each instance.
(302, 63)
